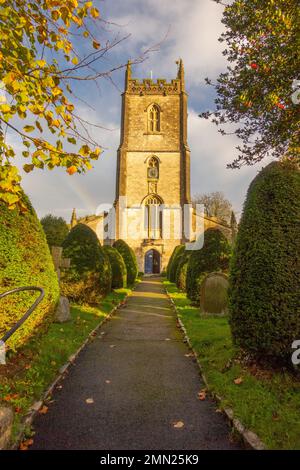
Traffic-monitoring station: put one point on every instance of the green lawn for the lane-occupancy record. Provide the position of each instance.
(266, 402)
(30, 372)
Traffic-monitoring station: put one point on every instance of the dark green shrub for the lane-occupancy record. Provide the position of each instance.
(181, 274)
(129, 259)
(264, 274)
(173, 255)
(89, 277)
(25, 260)
(55, 229)
(180, 249)
(214, 256)
(118, 267)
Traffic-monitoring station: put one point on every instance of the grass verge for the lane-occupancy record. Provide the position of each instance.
(266, 401)
(29, 373)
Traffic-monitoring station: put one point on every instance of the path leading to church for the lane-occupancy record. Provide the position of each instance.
(140, 382)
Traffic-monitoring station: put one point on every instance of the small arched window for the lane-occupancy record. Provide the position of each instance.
(153, 168)
(154, 118)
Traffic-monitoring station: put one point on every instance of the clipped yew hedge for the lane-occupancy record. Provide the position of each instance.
(129, 259)
(89, 277)
(264, 275)
(25, 260)
(118, 267)
(214, 256)
(173, 255)
(176, 257)
(181, 273)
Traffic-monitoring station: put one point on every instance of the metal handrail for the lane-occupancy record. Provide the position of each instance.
(29, 312)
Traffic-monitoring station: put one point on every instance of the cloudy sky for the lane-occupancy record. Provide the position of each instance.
(183, 28)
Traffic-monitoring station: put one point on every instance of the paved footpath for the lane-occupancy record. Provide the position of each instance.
(141, 383)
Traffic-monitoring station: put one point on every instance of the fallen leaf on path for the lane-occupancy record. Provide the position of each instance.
(167, 339)
(43, 410)
(218, 410)
(202, 394)
(178, 424)
(190, 354)
(18, 409)
(107, 381)
(25, 444)
(238, 381)
(89, 401)
(112, 346)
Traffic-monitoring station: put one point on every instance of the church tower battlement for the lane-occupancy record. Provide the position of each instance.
(153, 161)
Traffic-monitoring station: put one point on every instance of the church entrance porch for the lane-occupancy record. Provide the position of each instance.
(152, 262)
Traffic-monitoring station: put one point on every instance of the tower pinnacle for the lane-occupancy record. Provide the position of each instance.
(180, 73)
(73, 219)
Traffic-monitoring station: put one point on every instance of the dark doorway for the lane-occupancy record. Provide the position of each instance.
(152, 262)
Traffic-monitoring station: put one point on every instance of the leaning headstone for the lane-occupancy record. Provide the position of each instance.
(213, 294)
(6, 421)
(62, 313)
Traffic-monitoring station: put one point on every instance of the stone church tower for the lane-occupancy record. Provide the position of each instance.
(153, 167)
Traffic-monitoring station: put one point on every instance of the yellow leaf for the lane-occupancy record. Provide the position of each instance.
(28, 128)
(5, 108)
(75, 60)
(84, 151)
(94, 12)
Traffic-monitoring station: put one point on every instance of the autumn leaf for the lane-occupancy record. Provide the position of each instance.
(43, 410)
(89, 401)
(28, 128)
(25, 444)
(238, 381)
(202, 394)
(178, 424)
(96, 45)
(28, 167)
(71, 170)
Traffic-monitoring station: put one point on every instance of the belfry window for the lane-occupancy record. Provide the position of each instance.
(154, 118)
(153, 217)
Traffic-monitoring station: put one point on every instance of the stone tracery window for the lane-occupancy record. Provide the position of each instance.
(153, 216)
(154, 118)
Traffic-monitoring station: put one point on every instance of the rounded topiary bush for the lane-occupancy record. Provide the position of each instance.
(173, 255)
(118, 267)
(214, 256)
(264, 274)
(25, 260)
(89, 277)
(180, 250)
(130, 260)
(181, 274)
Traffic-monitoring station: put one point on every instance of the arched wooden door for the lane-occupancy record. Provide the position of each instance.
(152, 262)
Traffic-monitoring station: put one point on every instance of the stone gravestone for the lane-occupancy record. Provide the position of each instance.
(213, 294)
(62, 313)
(6, 422)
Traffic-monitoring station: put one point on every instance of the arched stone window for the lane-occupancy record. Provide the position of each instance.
(153, 216)
(153, 168)
(153, 118)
